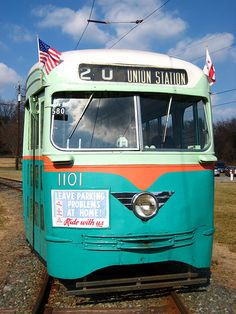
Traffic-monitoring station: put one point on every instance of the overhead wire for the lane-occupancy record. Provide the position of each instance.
(138, 22)
(213, 52)
(123, 36)
(157, 9)
(224, 91)
(144, 19)
(86, 26)
(196, 44)
(114, 22)
(225, 103)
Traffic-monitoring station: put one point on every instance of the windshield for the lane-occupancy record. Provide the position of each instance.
(124, 121)
(99, 121)
(173, 122)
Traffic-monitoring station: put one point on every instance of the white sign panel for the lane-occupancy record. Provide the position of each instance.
(80, 208)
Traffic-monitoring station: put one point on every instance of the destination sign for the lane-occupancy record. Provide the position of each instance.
(132, 74)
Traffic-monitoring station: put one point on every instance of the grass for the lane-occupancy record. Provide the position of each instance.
(7, 168)
(225, 214)
(11, 174)
(2, 219)
(2, 214)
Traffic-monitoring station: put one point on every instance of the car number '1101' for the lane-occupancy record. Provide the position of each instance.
(132, 74)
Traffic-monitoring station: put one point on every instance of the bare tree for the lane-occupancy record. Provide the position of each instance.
(225, 140)
(8, 127)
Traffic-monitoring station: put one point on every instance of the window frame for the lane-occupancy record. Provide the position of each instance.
(138, 124)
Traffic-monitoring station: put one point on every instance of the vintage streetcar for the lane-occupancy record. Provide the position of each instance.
(118, 163)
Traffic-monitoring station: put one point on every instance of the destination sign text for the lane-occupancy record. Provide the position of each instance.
(132, 74)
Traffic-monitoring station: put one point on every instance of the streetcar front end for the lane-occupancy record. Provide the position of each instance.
(123, 163)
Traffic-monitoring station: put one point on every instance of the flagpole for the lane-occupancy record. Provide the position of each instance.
(38, 45)
(41, 70)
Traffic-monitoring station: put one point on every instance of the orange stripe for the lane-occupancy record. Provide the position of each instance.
(142, 176)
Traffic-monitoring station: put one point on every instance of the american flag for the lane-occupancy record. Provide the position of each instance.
(49, 56)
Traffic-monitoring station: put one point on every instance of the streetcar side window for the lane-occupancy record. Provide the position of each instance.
(41, 124)
(194, 131)
(202, 126)
(33, 131)
(188, 134)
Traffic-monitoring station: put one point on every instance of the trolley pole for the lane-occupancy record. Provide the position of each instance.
(18, 127)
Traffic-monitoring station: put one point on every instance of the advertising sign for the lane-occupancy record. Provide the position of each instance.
(80, 208)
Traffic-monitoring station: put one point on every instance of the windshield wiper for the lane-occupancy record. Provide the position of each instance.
(167, 120)
(83, 112)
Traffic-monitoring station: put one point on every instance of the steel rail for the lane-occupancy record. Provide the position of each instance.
(10, 183)
(42, 297)
(178, 301)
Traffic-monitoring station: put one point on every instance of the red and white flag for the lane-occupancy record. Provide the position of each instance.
(49, 56)
(209, 69)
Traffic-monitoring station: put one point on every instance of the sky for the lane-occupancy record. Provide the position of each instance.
(182, 29)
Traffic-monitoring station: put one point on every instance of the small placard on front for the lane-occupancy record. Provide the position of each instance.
(80, 208)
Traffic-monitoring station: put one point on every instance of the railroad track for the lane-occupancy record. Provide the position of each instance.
(170, 303)
(11, 183)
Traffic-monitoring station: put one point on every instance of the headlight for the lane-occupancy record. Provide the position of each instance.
(145, 205)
